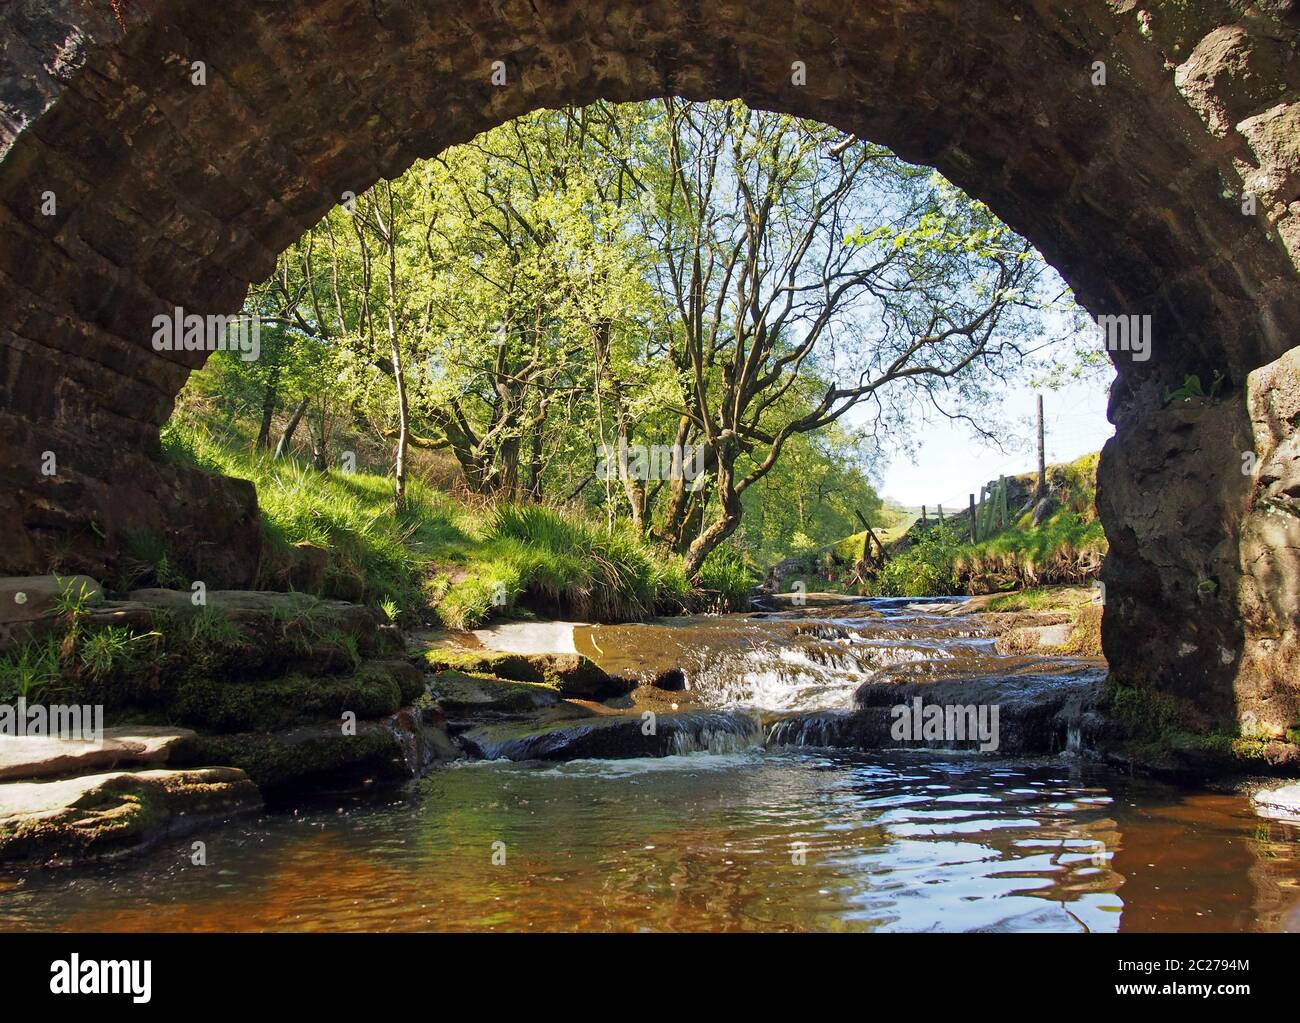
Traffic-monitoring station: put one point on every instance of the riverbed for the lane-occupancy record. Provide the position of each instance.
(767, 837)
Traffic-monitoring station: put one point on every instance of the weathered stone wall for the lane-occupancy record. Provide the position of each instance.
(175, 194)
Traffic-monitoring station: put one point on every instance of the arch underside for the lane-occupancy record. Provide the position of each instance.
(174, 194)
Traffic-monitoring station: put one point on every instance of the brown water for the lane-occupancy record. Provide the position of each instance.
(760, 839)
(700, 842)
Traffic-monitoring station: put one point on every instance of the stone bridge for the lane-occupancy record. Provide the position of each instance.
(1172, 190)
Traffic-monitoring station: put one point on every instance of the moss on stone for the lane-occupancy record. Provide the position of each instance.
(460, 693)
(319, 758)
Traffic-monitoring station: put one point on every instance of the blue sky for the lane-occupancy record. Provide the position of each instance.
(949, 464)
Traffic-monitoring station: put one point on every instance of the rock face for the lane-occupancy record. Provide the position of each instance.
(1173, 190)
(1037, 714)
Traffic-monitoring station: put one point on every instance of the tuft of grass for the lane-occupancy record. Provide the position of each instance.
(32, 670)
(108, 651)
(727, 579)
(548, 559)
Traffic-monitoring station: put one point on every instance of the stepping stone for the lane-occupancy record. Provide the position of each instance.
(40, 756)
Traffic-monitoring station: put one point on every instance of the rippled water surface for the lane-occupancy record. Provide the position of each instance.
(788, 840)
(740, 839)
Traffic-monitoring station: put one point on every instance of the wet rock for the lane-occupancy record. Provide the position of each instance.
(1037, 712)
(617, 737)
(673, 680)
(104, 816)
(422, 735)
(315, 758)
(376, 690)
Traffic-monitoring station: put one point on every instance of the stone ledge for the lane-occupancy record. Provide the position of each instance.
(106, 816)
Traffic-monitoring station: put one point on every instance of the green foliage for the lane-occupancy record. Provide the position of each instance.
(371, 553)
(31, 670)
(72, 602)
(104, 652)
(1068, 546)
(926, 569)
(727, 578)
(1192, 388)
(557, 561)
(463, 563)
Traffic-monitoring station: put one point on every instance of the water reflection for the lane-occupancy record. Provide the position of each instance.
(789, 840)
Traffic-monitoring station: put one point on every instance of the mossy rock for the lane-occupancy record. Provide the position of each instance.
(379, 689)
(108, 815)
(319, 758)
(572, 675)
(461, 695)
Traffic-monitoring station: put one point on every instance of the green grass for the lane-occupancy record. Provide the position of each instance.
(31, 671)
(1066, 547)
(1042, 598)
(337, 534)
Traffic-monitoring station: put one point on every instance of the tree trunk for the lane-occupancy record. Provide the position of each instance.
(729, 511)
(269, 401)
(286, 438)
(399, 371)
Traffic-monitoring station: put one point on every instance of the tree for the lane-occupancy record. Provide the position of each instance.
(808, 275)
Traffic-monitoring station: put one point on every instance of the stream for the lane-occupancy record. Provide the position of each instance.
(758, 835)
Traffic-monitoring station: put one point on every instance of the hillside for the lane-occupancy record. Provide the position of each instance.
(1057, 539)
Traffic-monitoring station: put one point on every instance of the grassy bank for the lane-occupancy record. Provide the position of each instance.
(337, 534)
(1066, 546)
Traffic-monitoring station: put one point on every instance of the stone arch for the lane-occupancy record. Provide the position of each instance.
(171, 193)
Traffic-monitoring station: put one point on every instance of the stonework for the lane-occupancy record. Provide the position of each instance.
(168, 193)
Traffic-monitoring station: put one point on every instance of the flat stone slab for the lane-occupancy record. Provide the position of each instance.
(462, 695)
(1280, 803)
(529, 637)
(104, 816)
(615, 737)
(1034, 637)
(32, 756)
(24, 598)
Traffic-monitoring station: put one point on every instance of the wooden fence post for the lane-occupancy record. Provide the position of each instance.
(974, 532)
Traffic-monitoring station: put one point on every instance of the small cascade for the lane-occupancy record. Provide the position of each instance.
(831, 728)
(716, 733)
(417, 741)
